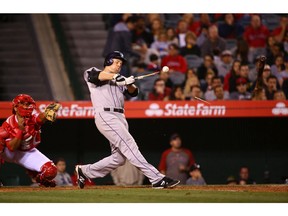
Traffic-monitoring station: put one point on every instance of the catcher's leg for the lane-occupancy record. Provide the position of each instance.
(46, 175)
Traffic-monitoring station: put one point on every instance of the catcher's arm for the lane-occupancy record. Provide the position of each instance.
(50, 112)
(260, 64)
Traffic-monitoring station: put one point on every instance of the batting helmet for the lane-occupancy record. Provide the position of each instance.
(19, 101)
(113, 55)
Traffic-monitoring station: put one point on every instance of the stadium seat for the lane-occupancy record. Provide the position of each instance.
(193, 61)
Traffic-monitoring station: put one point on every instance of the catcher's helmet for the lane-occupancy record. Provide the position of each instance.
(114, 55)
(23, 99)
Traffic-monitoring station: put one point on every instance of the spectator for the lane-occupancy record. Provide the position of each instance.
(196, 177)
(176, 63)
(231, 180)
(141, 35)
(244, 73)
(256, 35)
(230, 28)
(278, 66)
(283, 75)
(280, 31)
(172, 36)
(176, 160)
(177, 93)
(154, 63)
(196, 92)
(62, 178)
(156, 27)
(259, 95)
(165, 76)
(161, 44)
(225, 64)
(209, 95)
(266, 73)
(120, 38)
(231, 77)
(213, 42)
(244, 176)
(242, 51)
(127, 174)
(219, 92)
(174, 60)
(142, 38)
(190, 81)
(241, 93)
(191, 48)
(271, 50)
(207, 65)
(181, 31)
(279, 95)
(271, 87)
(285, 44)
(200, 27)
(208, 81)
(160, 92)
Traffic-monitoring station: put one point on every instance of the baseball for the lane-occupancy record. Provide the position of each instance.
(165, 69)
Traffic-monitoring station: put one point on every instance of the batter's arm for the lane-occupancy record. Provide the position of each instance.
(132, 90)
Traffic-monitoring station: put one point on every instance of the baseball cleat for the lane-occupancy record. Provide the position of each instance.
(81, 178)
(165, 183)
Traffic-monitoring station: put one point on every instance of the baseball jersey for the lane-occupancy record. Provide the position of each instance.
(104, 93)
(170, 162)
(31, 134)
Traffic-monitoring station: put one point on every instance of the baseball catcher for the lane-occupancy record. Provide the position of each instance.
(20, 135)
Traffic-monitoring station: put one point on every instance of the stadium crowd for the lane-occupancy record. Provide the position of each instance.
(211, 56)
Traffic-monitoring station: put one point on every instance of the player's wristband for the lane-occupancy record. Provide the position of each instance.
(19, 134)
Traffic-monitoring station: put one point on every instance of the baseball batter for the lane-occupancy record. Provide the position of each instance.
(20, 135)
(107, 89)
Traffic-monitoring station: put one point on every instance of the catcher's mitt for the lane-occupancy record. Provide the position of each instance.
(260, 64)
(50, 111)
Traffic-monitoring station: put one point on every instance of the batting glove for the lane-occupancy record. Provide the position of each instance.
(130, 80)
(119, 80)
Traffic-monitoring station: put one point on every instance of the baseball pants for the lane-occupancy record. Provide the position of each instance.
(114, 127)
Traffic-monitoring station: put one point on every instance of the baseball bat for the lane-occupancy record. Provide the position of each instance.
(204, 101)
(147, 75)
(164, 69)
(261, 61)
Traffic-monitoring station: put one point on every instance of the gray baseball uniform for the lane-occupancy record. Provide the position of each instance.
(108, 101)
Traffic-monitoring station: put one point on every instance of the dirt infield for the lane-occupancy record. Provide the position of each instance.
(235, 188)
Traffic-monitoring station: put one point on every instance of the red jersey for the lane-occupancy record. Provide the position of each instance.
(171, 160)
(31, 134)
(159, 97)
(177, 63)
(256, 37)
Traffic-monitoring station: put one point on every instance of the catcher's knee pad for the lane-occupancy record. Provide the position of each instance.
(48, 171)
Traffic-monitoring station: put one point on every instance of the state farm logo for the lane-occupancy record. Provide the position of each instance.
(74, 110)
(279, 109)
(154, 110)
(171, 109)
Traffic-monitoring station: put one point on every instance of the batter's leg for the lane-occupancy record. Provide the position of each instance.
(116, 131)
(104, 166)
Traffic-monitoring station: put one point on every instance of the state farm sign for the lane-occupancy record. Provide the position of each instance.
(72, 110)
(173, 109)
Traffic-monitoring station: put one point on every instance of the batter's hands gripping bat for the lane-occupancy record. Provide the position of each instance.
(164, 69)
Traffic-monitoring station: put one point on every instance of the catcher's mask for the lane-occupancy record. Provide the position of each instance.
(25, 105)
(114, 55)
